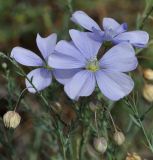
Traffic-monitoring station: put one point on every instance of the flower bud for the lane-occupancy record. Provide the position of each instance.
(100, 144)
(148, 74)
(4, 65)
(148, 92)
(92, 106)
(57, 107)
(119, 138)
(11, 119)
(133, 156)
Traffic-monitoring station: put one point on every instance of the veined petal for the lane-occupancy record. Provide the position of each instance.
(110, 23)
(62, 61)
(81, 18)
(41, 78)
(122, 28)
(114, 85)
(88, 47)
(82, 84)
(63, 76)
(46, 45)
(136, 38)
(26, 57)
(96, 35)
(69, 49)
(119, 58)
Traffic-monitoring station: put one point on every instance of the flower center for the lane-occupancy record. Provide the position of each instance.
(93, 65)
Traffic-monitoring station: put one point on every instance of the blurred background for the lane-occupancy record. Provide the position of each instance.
(35, 138)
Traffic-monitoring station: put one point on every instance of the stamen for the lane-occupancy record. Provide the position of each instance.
(93, 65)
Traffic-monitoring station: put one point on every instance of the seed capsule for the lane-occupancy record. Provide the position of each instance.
(11, 119)
(93, 106)
(148, 74)
(100, 144)
(4, 65)
(148, 92)
(119, 138)
(133, 156)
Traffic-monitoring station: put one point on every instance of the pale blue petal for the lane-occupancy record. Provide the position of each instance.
(88, 47)
(46, 45)
(114, 85)
(136, 38)
(63, 76)
(62, 61)
(69, 49)
(96, 35)
(81, 18)
(82, 84)
(110, 23)
(122, 28)
(26, 57)
(41, 78)
(119, 58)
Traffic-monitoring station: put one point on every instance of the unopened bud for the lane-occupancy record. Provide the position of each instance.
(119, 138)
(57, 107)
(4, 65)
(148, 74)
(11, 119)
(100, 144)
(92, 106)
(148, 92)
(133, 156)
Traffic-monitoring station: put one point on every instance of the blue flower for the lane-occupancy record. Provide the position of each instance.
(41, 76)
(113, 31)
(80, 56)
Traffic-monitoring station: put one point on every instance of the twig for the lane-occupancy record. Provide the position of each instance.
(19, 99)
(63, 146)
(145, 134)
(148, 12)
(110, 115)
(70, 6)
(83, 141)
(133, 107)
(96, 124)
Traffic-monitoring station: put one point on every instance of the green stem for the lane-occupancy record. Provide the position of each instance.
(63, 150)
(83, 141)
(134, 109)
(110, 115)
(146, 15)
(148, 110)
(62, 142)
(19, 99)
(145, 134)
(70, 6)
(96, 124)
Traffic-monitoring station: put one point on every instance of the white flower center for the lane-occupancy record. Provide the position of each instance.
(93, 65)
